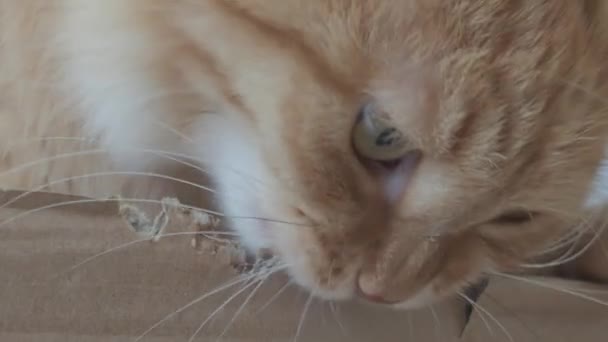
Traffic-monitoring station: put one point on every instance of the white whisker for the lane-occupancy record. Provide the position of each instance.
(478, 308)
(31, 140)
(50, 159)
(137, 200)
(218, 310)
(566, 258)
(438, 333)
(275, 296)
(554, 288)
(303, 317)
(129, 244)
(86, 201)
(242, 307)
(568, 239)
(105, 174)
(230, 299)
(410, 324)
(173, 156)
(175, 131)
(335, 314)
(194, 302)
(482, 310)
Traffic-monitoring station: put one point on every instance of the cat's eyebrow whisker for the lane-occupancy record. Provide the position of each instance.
(564, 290)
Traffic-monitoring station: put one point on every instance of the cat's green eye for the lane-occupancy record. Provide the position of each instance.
(375, 138)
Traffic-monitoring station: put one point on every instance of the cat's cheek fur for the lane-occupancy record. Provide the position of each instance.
(240, 177)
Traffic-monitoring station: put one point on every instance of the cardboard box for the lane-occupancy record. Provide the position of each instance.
(134, 283)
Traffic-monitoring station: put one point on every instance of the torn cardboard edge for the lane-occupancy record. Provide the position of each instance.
(509, 302)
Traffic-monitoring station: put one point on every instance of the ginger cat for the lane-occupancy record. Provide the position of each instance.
(399, 150)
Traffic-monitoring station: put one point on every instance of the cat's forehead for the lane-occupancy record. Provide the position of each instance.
(380, 29)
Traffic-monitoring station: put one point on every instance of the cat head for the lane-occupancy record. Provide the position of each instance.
(400, 150)
(395, 150)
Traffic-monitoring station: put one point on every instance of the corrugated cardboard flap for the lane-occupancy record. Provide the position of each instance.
(124, 285)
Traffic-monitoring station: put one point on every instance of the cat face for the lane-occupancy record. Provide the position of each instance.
(408, 148)
(395, 150)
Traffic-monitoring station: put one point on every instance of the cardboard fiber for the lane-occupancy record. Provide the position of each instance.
(135, 283)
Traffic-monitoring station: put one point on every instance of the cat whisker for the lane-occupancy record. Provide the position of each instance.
(410, 324)
(603, 248)
(561, 214)
(276, 296)
(570, 238)
(173, 156)
(133, 243)
(437, 323)
(222, 288)
(476, 306)
(242, 307)
(303, 317)
(173, 130)
(138, 200)
(218, 310)
(105, 174)
(90, 152)
(554, 288)
(84, 153)
(483, 311)
(571, 243)
(257, 278)
(514, 315)
(568, 258)
(336, 315)
(90, 201)
(37, 162)
(32, 140)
